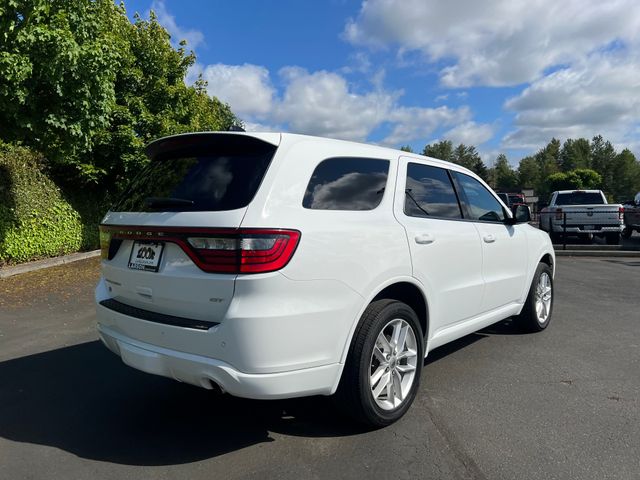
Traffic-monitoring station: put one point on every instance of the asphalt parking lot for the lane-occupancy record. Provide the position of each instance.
(563, 404)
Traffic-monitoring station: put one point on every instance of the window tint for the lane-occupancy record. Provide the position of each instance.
(429, 193)
(482, 205)
(579, 198)
(347, 183)
(209, 175)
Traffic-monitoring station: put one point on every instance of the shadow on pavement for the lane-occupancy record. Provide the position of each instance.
(82, 399)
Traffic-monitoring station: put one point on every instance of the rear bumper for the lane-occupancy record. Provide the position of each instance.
(279, 338)
(582, 229)
(204, 372)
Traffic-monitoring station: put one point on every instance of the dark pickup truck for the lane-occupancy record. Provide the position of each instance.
(631, 217)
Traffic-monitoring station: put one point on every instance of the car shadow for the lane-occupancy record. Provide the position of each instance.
(84, 400)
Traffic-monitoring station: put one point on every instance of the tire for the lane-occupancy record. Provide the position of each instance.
(539, 301)
(627, 232)
(612, 238)
(356, 393)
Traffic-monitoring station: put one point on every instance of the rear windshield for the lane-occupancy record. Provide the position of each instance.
(212, 175)
(580, 198)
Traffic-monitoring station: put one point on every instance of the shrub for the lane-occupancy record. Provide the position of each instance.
(36, 219)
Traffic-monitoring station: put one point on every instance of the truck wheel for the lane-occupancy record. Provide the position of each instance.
(384, 363)
(626, 233)
(612, 238)
(537, 310)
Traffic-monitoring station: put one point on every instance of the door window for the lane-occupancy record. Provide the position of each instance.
(481, 204)
(429, 193)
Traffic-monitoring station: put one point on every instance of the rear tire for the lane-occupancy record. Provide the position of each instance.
(538, 308)
(382, 373)
(612, 238)
(627, 232)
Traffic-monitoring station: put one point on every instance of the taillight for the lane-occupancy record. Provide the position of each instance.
(248, 251)
(558, 214)
(620, 212)
(243, 250)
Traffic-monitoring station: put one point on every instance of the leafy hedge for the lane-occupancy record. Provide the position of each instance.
(36, 219)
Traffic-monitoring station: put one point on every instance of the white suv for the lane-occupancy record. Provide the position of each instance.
(277, 265)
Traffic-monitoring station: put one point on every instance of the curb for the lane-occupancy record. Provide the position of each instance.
(598, 253)
(46, 263)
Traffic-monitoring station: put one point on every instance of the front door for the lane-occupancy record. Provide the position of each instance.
(504, 247)
(445, 249)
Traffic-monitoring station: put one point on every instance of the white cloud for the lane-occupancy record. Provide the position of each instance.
(495, 42)
(598, 95)
(413, 123)
(247, 88)
(470, 133)
(168, 21)
(325, 104)
(320, 103)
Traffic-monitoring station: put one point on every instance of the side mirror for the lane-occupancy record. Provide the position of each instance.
(521, 214)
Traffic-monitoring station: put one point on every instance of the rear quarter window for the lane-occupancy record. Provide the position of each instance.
(347, 183)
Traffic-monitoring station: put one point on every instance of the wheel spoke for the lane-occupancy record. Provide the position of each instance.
(384, 343)
(397, 386)
(402, 339)
(390, 390)
(377, 375)
(408, 353)
(384, 382)
(406, 368)
(379, 355)
(395, 336)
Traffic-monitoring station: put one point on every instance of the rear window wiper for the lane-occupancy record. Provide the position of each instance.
(155, 202)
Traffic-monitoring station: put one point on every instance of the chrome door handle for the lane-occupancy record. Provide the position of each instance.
(424, 239)
(489, 238)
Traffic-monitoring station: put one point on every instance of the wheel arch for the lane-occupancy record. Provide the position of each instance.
(404, 289)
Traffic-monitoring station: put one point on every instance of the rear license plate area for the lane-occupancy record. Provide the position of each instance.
(146, 256)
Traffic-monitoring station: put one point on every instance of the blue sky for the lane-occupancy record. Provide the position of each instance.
(503, 76)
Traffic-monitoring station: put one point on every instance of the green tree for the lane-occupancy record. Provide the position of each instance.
(589, 179)
(529, 175)
(82, 84)
(442, 150)
(624, 176)
(58, 63)
(505, 178)
(580, 178)
(406, 148)
(575, 154)
(468, 157)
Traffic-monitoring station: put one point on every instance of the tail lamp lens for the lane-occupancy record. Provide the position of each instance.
(621, 213)
(558, 214)
(248, 251)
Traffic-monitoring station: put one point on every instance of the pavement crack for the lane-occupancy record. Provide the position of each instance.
(472, 470)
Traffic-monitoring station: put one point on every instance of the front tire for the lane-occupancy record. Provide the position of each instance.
(537, 310)
(382, 374)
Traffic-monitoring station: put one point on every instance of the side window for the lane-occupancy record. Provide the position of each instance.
(482, 204)
(429, 193)
(347, 183)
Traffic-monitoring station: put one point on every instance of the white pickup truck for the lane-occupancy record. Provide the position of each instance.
(583, 213)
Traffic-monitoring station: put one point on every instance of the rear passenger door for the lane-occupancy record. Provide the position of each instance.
(445, 250)
(504, 247)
